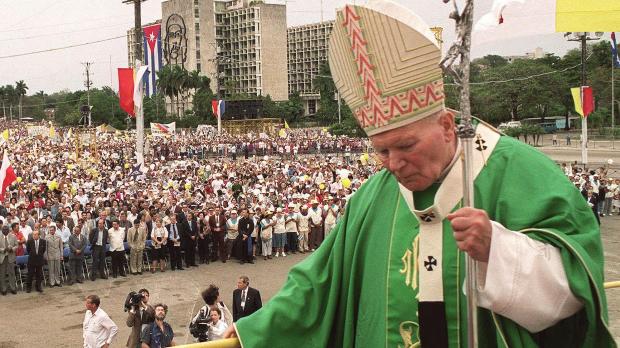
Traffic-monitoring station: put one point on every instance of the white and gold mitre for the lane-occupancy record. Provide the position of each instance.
(385, 63)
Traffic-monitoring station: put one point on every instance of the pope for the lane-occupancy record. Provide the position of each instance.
(392, 272)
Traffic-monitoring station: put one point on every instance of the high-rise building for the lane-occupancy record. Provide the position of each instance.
(240, 44)
(307, 51)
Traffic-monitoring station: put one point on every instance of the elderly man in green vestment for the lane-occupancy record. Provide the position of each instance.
(391, 274)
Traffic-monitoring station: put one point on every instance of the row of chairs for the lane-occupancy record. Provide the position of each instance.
(21, 264)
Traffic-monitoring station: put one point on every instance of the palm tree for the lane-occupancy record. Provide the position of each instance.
(9, 93)
(20, 89)
(164, 83)
(3, 96)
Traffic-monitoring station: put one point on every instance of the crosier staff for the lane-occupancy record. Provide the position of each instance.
(461, 48)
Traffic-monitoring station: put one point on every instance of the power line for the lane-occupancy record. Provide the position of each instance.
(62, 48)
(64, 32)
(30, 27)
(525, 78)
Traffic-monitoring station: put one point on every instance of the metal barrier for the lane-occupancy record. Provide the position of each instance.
(234, 342)
(611, 285)
(225, 343)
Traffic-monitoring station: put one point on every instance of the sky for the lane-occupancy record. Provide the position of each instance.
(35, 25)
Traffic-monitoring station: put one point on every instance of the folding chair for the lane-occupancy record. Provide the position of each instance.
(21, 262)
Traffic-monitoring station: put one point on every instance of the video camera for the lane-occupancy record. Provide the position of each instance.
(133, 300)
(200, 328)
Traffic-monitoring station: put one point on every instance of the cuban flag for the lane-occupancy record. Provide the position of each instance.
(219, 107)
(152, 57)
(614, 51)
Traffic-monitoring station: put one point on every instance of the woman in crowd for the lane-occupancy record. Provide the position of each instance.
(159, 236)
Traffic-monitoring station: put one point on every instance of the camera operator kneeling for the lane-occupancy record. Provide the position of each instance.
(141, 315)
(208, 327)
(201, 324)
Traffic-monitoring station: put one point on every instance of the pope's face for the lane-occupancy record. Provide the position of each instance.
(417, 153)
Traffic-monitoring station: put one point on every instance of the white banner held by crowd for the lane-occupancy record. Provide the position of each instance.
(163, 129)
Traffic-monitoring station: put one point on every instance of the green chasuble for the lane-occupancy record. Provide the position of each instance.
(361, 287)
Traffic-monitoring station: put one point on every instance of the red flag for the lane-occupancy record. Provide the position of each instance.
(215, 106)
(125, 90)
(7, 174)
(587, 100)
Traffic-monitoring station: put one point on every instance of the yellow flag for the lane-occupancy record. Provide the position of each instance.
(286, 125)
(52, 132)
(576, 92)
(583, 16)
(282, 133)
(70, 133)
(5, 134)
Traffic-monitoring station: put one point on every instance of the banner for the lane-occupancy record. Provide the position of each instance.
(125, 90)
(162, 129)
(579, 15)
(584, 101)
(152, 57)
(33, 131)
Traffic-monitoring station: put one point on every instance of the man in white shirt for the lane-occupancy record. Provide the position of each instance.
(116, 236)
(98, 329)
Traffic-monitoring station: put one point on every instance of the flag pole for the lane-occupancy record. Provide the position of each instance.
(613, 98)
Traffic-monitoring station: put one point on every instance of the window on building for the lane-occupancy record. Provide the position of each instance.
(197, 26)
(195, 2)
(198, 65)
(312, 106)
(197, 43)
(196, 13)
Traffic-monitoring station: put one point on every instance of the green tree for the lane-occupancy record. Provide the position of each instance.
(20, 89)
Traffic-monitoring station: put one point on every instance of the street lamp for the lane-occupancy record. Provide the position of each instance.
(583, 37)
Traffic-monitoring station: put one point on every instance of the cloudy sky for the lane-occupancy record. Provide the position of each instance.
(38, 25)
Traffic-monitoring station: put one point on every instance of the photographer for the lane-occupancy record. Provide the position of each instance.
(199, 327)
(140, 315)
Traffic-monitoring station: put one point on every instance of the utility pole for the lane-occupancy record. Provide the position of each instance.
(137, 5)
(88, 83)
(583, 38)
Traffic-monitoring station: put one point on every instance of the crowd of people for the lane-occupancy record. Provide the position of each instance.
(598, 187)
(190, 204)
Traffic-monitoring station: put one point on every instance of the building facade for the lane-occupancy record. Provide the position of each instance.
(307, 47)
(240, 45)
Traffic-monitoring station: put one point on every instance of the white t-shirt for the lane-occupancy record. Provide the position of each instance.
(291, 226)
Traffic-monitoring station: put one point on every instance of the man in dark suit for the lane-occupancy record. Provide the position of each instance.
(98, 239)
(77, 245)
(36, 251)
(246, 300)
(188, 240)
(174, 243)
(246, 227)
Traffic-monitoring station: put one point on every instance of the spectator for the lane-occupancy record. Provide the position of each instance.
(246, 300)
(54, 256)
(98, 329)
(8, 247)
(77, 247)
(36, 259)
